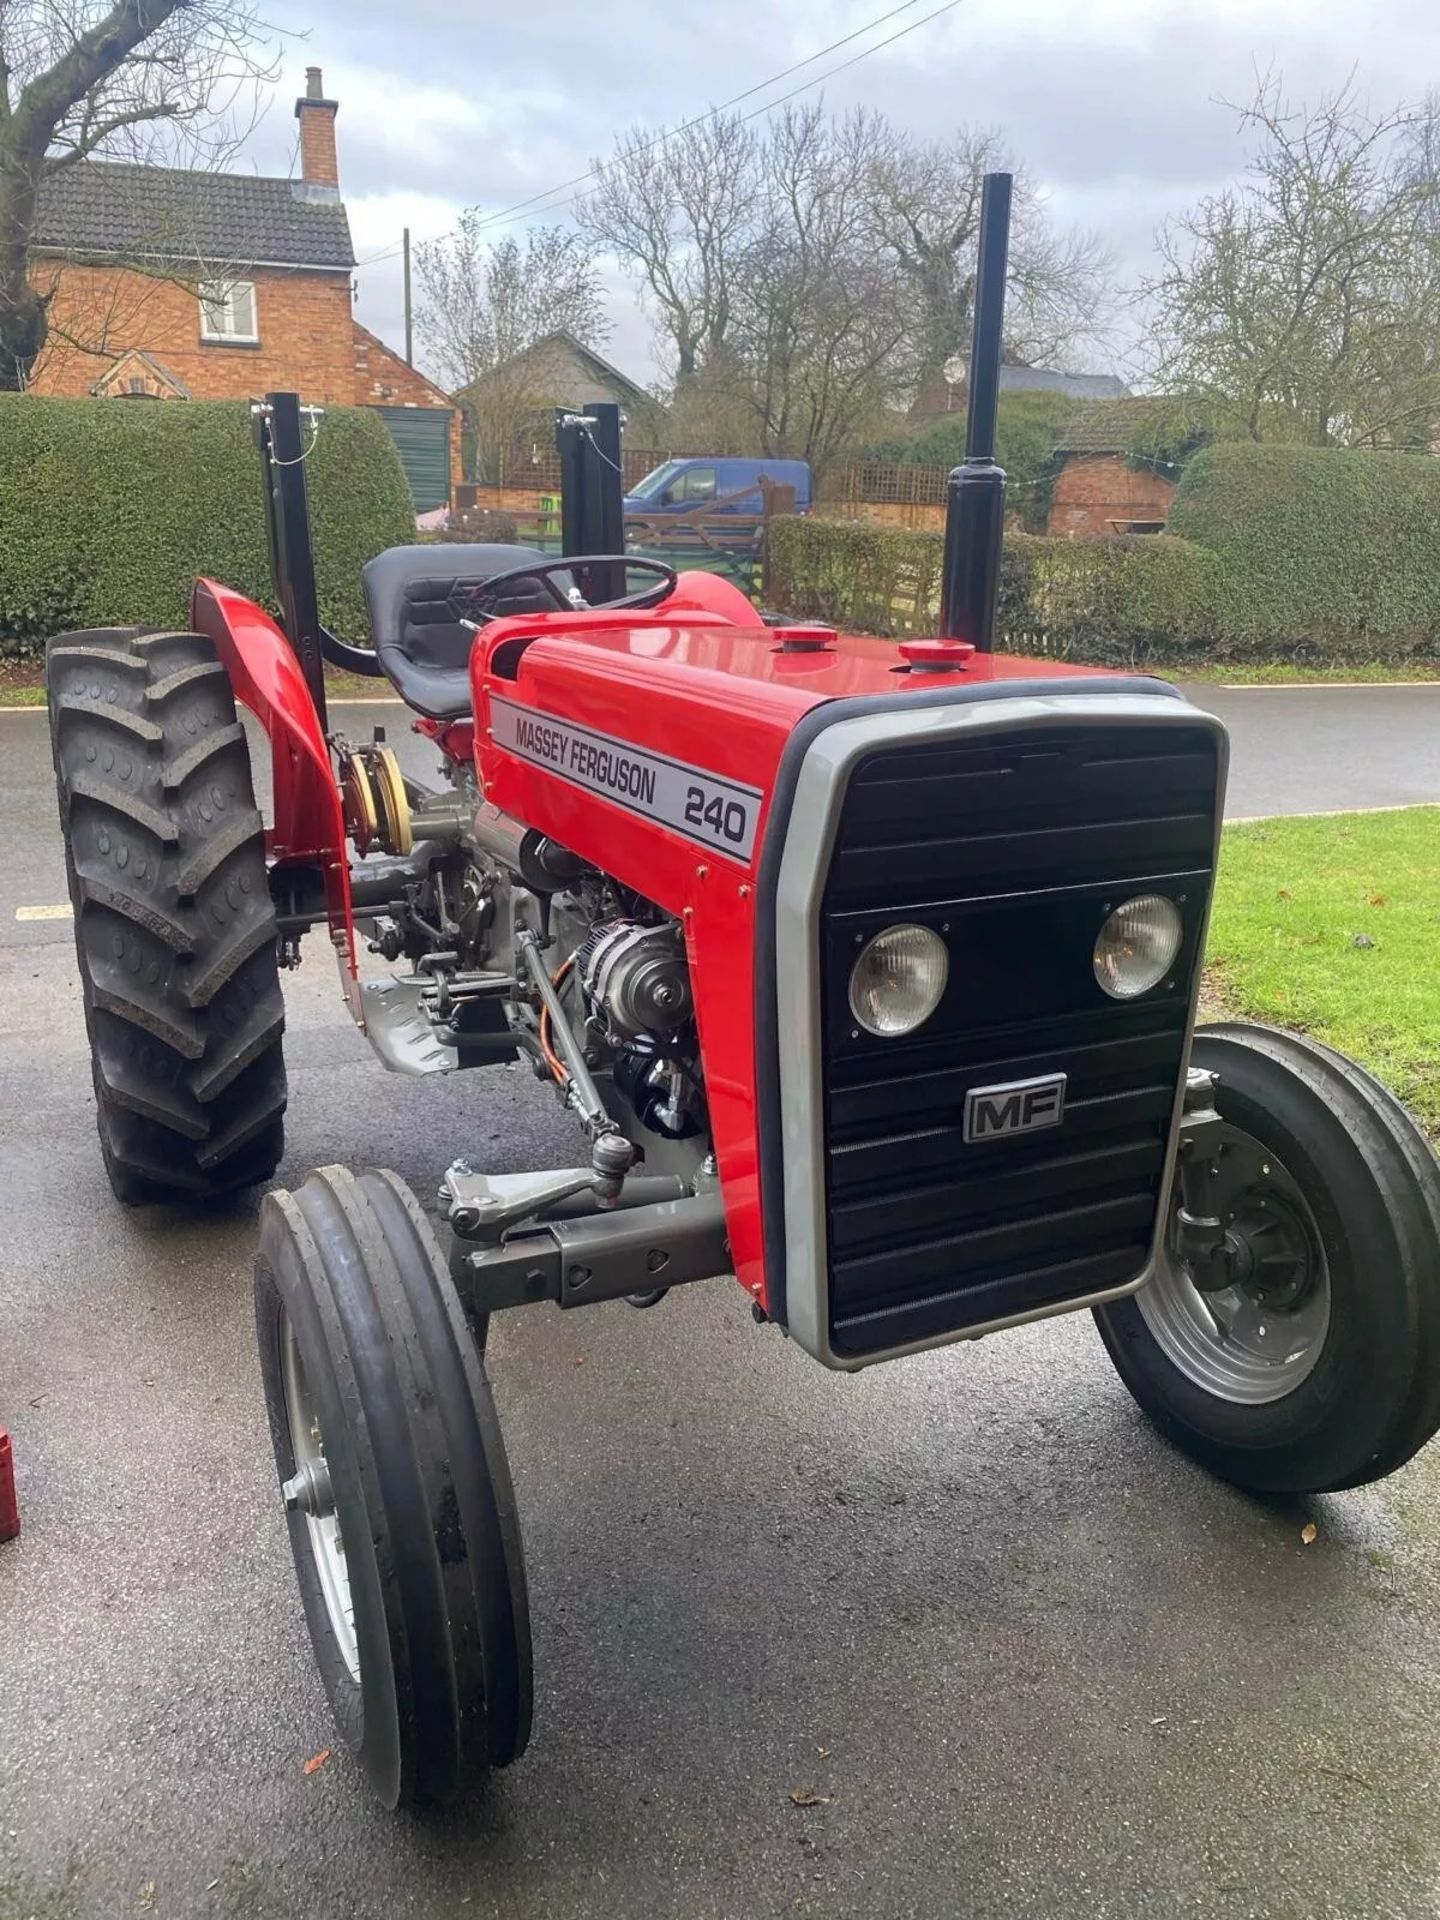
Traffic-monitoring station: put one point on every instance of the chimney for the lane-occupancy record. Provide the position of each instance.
(316, 114)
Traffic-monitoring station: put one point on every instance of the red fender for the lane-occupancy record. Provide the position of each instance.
(309, 822)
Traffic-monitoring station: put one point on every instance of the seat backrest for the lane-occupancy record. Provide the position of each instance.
(408, 597)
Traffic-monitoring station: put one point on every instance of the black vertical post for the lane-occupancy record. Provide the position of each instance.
(280, 437)
(975, 515)
(592, 494)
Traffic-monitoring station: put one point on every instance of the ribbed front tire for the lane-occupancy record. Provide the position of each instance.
(401, 1513)
(174, 925)
(1319, 1368)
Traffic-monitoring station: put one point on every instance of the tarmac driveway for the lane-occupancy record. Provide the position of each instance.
(1017, 1657)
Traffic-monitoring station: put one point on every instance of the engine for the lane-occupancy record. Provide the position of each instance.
(521, 950)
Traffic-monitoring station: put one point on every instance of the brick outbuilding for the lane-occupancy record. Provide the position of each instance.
(1103, 487)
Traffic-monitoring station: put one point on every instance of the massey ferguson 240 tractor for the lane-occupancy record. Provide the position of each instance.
(868, 974)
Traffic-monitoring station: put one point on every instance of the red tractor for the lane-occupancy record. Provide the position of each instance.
(869, 975)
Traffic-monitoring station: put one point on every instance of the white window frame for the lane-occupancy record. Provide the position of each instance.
(218, 301)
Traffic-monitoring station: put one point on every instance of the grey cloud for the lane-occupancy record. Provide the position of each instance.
(1112, 110)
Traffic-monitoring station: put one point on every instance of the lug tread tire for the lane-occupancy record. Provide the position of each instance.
(422, 1486)
(1368, 1171)
(174, 925)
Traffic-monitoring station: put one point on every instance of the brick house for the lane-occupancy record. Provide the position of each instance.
(561, 371)
(1102, 488)
(175, 285)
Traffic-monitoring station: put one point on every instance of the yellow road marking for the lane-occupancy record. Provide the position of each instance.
(45, 913)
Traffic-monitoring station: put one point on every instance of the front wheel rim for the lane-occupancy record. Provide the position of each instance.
(1254, 1342)
(309, 1493)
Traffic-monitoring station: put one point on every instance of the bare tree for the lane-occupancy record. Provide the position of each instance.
(126, 79)
(924, 203)
(1305, 303)
(1420, 162)
(486, 305)
(819, 318)
(677, 212)
(805, 276)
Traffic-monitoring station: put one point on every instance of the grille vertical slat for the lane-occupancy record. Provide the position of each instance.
(1015, 850)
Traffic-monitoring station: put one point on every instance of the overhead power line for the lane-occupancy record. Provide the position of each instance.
(508, 213)
(710, 113)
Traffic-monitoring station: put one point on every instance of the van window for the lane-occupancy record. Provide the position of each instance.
(656, 481)
(695, 485)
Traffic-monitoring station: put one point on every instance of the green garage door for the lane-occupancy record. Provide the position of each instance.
(423, 436)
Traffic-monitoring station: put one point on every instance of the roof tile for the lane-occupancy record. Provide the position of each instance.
(207, 220)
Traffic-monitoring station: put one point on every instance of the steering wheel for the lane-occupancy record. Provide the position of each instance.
(545, 570)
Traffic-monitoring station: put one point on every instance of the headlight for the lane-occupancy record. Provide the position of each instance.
(1137, 945)
(898, 979)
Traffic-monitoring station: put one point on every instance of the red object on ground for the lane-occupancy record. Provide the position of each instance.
(9, 1505)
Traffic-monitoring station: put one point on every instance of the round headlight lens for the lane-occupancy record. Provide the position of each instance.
(1137, 945)
(898, 979)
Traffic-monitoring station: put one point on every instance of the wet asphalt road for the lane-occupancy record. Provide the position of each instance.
(1027, 1660)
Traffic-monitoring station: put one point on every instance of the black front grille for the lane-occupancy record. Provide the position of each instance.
(1014, 851)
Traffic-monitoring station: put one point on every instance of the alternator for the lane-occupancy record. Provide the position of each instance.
(639, 976)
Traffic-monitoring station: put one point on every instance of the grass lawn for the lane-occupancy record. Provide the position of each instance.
(1332, 926)
(1283, 673)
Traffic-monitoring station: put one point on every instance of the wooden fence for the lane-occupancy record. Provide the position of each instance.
(911, 494)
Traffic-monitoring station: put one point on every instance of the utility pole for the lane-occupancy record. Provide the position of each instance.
(409, 331)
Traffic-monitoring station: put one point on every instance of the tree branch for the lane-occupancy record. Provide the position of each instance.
(93, 55)
(91, 137)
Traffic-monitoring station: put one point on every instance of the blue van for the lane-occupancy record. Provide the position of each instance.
(726, 484)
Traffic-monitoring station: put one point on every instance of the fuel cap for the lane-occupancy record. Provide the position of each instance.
(805, 639)
(937, 656)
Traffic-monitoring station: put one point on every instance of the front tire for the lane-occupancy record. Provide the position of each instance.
(174, 924)
(1320, 1368)
(401, 1512)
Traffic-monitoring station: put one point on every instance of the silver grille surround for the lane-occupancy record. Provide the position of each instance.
(811, 830)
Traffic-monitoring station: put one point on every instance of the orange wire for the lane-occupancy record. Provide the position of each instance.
(556, 1066)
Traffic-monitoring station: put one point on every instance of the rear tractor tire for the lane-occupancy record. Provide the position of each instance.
(174, 925)
(1318, 1368)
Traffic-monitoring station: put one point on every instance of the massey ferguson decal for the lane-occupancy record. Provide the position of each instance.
(718, 813)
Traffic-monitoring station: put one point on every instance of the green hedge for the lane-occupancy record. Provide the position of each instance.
(109, 509)
(1107, 602)
(1321, 551)
(1275, 553)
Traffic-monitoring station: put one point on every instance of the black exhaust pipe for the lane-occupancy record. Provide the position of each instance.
(975, 510)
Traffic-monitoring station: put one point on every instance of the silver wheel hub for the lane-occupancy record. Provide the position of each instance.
(1251, 1342)
(308, 1492)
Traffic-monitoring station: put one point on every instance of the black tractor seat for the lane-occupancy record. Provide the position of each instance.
(419, 642)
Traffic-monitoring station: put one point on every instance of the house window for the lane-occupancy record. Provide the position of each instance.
(227, 311)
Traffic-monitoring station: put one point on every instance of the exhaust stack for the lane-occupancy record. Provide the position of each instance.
(975, 512)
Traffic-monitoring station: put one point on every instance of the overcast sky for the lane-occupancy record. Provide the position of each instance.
(1111, 104)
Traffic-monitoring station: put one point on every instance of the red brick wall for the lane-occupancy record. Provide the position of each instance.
(382, 379)
(318, 162)
(306, 339)
(1094, 489)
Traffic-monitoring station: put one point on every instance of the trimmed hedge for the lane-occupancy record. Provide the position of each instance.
(109, 509)
(1300, 554)
(1125, 602)
(1322, 551)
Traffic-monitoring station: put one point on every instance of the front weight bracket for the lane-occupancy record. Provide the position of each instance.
(596, 1256)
